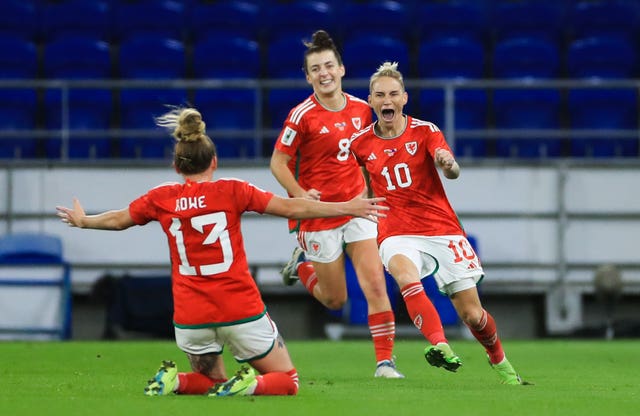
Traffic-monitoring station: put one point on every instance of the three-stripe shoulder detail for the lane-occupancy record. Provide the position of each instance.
(356, 99)
(361, 132)
(300, 110)
(418, 123)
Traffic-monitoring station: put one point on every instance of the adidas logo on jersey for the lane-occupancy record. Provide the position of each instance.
(372, 157)
(324, 130)
(472, 266)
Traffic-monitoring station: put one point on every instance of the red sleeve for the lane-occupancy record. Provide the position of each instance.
(437, 141)
(142, 210)
(435, 138)
(256, 199)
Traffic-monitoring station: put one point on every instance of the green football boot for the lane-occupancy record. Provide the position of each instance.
(242, 384)
(164, 381)
(441, 355)
(507, 373)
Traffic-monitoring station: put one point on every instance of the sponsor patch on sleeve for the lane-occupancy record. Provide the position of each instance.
(288, 136)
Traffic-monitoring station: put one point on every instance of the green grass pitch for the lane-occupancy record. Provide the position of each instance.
(108, 378)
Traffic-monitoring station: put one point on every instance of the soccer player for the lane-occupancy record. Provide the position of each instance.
(311, 160)
(216, 300)
(422, 234)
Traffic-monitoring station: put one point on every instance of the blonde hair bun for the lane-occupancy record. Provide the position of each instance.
(185, 123)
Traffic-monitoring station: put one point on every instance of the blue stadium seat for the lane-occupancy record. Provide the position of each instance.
(88, 109)
(30, 248)
(451, 57)
(152, 57)
(593, 109)
(606, 57)
(138, 109)
(285, 58)
(229, 109)
(470, 114)
(451, 19)
(603, 57)
(281, 101)
(38, 296)
(526, 57)
(77, 57)
(298, 20)
(90, 18)
(18, 111)
(242, 57)
(19, 58)
(20, 18)
(161, 18)
(364, 54)
(527, 109)
(458, 58)
(530, 58)
(543, 20)
(604, 18)
(231, 17)
(373, 18)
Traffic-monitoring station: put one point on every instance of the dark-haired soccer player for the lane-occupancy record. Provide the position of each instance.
(312, 160)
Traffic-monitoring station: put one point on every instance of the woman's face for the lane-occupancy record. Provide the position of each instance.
(388, 98)
(324, 73)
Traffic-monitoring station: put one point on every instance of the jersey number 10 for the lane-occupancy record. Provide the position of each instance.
(402, 176)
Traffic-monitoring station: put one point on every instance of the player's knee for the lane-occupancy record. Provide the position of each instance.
(377, 299)
(472, 317)
(376, 293)
(334, 303)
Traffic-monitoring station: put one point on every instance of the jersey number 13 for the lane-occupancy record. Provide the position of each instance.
(219, 233)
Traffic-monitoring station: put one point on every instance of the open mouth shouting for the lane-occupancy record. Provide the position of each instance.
(388, 114)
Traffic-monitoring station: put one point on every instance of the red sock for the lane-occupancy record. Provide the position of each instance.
(196, 383)
(382, 326)
(307, 276)
(422, 312)
(487, 333)
(277, 384)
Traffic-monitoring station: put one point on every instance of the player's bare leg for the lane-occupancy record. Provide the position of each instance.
(381, 318)
(483, 327)
(331, 286)
(422, 313)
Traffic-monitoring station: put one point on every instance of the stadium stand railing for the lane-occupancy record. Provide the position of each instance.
(262, 131)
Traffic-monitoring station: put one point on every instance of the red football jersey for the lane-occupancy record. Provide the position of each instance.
(317, 140)
(402, 169)
(210, 275)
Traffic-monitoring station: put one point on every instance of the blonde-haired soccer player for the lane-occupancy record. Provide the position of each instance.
(216, 300)
(422, 234)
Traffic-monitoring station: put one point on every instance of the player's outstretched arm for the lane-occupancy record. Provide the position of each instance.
(109, 220)
(301, 208)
